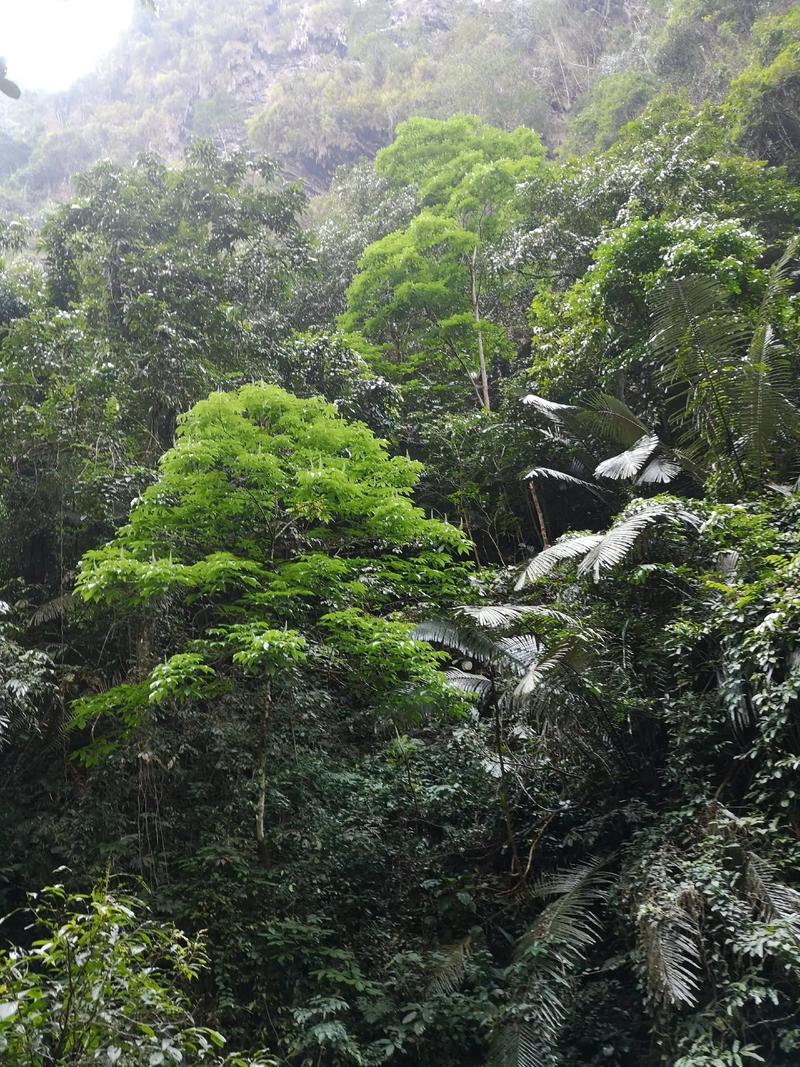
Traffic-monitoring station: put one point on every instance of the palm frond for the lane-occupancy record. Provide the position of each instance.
(465, 639)
(546, 960)
(522, 650)
(628, 464)
(497, 615)
(569, 548)
(467, 682)
(556, 413)
(450, 967)
(676, 306)
(764, 883)
(552, 474)
(621, 540)
(570, 656)
(726, 562)
(672, 950)
(661, 470)
(610, 419)
(52, 609)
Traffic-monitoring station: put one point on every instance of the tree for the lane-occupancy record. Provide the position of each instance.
(292, 533)
(428, 285)
(103, 983)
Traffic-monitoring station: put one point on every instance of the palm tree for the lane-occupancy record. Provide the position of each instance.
(731, 376)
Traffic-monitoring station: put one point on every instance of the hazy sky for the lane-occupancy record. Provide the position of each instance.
(50, 43)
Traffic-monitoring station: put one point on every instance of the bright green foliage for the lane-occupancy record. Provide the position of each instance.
(423, 293)
(272, 509)
(615, 100)
(103, 984)
(438, 156)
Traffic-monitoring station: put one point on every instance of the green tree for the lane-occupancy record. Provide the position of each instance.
(293, 532)
(103, 983)
(429, 286)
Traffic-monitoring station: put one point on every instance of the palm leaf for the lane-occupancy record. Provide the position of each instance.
(522, 650)
(557, 413)
(496, 615)
(621, 540)
(450, 967)
(546, 959)
(561, 476)
(628, 464)
(459, 638)
(467, 682)
(659, 471)
(569, 548)
(764, 883)
(611, 419)
(672, 950)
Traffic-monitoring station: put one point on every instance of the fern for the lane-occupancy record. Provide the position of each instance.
(545, 963)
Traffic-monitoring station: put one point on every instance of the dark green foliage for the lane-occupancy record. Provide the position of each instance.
(439, 677)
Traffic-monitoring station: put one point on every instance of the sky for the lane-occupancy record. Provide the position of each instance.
(49, 44)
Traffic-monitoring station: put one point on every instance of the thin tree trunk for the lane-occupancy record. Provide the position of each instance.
(537, 506)
(504, 801)
(477, 315)
(261, 771)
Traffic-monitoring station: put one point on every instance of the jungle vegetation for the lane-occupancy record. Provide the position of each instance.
(400, 585)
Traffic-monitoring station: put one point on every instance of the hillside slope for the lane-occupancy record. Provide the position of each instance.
(321, 83)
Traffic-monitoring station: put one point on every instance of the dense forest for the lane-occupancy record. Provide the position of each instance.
(400, 539)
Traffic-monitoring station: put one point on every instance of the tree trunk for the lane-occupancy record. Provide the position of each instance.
(537, 507)
(261, 773)
(486, 402)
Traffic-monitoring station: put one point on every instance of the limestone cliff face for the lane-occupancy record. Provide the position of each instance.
(202, 68)
(321, 83)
